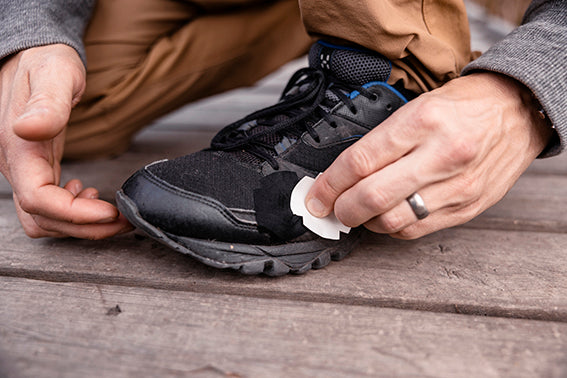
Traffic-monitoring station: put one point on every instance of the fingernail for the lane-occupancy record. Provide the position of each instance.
(316, 207)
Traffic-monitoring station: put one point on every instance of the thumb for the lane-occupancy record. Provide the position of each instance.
(46, 113)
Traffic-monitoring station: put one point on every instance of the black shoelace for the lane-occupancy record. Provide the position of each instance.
(301, 107)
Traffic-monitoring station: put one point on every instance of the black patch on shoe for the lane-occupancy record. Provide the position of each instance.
(271, 203)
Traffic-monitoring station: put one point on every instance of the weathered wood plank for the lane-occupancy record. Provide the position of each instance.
(71, 330)
(501, 273)
(556, 165)
(535, 203)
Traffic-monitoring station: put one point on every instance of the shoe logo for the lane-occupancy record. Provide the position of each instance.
(326, 61)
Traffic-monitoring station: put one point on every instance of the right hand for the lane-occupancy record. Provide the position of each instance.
(38, 89)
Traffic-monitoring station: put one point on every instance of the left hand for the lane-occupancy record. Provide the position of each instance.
(461, 147)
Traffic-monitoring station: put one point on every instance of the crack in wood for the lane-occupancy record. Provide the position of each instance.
(555, 315)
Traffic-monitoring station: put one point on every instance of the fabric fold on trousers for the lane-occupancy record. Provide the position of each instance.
(427, 41)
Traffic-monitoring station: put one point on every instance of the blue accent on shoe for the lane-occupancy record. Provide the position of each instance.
(356, 136)
(390, 74)
(353, 94)
(332, 46)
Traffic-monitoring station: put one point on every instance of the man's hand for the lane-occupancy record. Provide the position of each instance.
(461, 147)
(38, 88)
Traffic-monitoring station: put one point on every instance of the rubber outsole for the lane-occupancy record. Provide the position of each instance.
(272, 260)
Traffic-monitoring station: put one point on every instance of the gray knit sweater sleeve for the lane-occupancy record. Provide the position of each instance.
(536, 55)
(30, 23)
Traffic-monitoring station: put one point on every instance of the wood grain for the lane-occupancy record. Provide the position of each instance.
(538, 202)
(472, 271)
(76, 330)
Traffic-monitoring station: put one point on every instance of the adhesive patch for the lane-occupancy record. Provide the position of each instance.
(271, 203)
(329, 227)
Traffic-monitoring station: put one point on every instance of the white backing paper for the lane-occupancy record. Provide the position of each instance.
(329, 227)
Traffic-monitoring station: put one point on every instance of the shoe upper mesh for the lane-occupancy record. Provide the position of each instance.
(213, 174)
(352, 66)
(367, 67)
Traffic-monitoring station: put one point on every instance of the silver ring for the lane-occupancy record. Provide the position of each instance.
(418, 206)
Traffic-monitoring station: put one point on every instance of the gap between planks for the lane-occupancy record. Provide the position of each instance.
(477, 272)
(204, 288)
(120, 331)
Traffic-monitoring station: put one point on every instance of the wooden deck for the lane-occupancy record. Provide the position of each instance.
(487, 299)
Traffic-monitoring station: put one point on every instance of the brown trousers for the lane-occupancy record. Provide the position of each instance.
(148, 57)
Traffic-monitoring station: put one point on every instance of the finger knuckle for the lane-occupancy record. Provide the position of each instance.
(409, 233)
(391, 222)
(456, 146)
(376, 200)
(27, 203)
(50, 101)
(34, 232)
(358, 160)
(461, 151)
(429, 114)
(470, 211)
(327, 187)
(470, 188)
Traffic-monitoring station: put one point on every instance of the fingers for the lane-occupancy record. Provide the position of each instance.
(373, 152)
(382, 190)
(90, 231)
(59, 204)
(48, 108)
(90, 193)
(444, 218)
(36, 192)
(439, 198)
(76, 188)
(52, 86)
(31, 228)
(39, 87)
(37, 226)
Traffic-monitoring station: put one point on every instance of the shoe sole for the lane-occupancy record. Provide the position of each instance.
(272, 260)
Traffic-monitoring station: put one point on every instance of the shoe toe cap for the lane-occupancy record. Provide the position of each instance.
(183, 213)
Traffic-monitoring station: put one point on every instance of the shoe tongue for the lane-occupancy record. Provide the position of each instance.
(353, 66)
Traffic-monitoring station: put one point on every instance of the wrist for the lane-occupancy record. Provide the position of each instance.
(511, 90)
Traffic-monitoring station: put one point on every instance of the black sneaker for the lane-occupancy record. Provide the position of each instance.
(228, 206)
